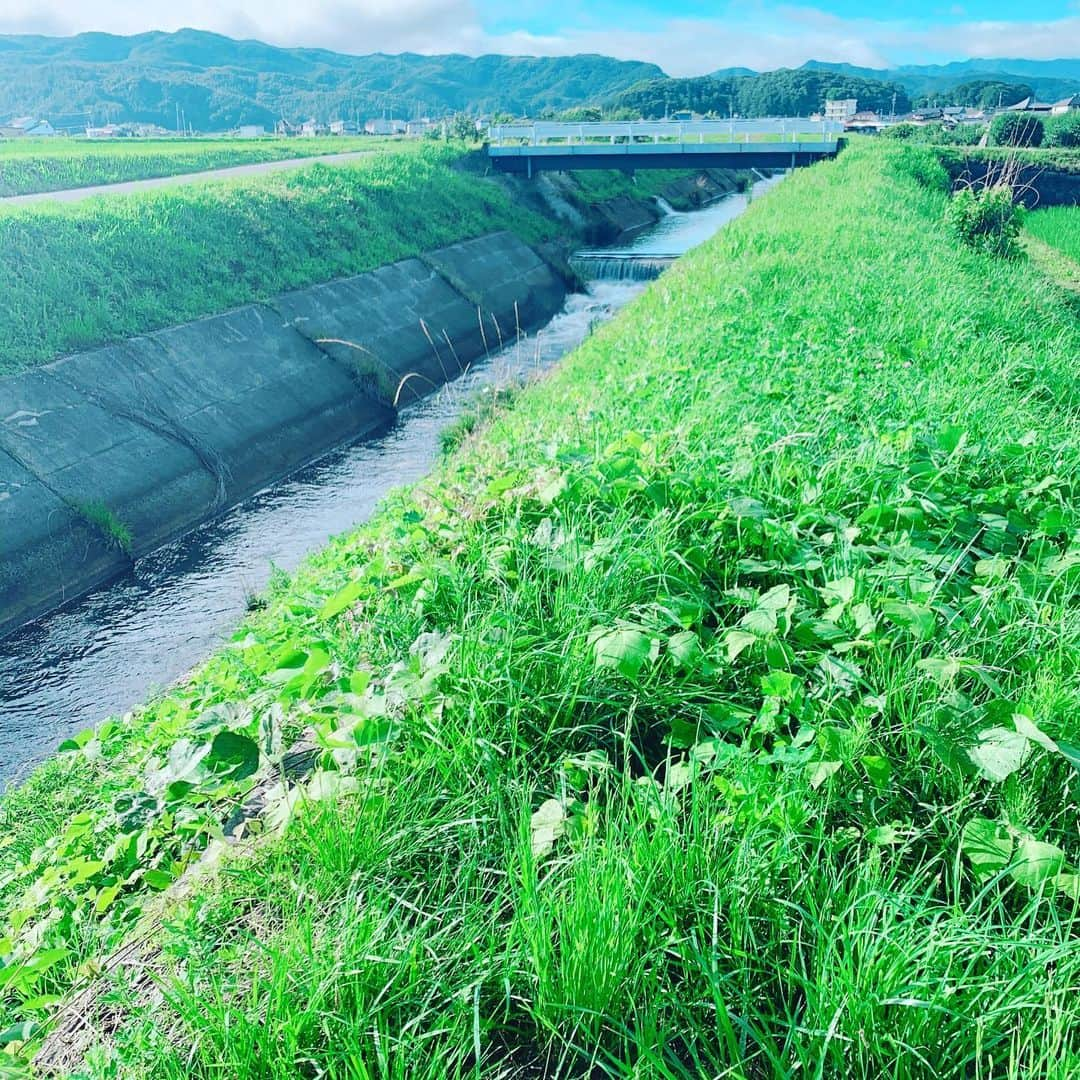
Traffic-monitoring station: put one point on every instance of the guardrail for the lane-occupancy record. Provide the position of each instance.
(549, 133)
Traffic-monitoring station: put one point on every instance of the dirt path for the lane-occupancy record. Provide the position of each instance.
(128, 187)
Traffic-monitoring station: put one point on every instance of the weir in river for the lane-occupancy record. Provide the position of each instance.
(119, 645)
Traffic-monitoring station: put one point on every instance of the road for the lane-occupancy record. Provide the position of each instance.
(128, 187)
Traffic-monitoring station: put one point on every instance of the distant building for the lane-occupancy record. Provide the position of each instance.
(310, 128)
(1030, 105)
(1065, 105)
(840, 110)
(868, 122)
(385, 127)
(344, 127)
(109, 131)
(420, 127)
(250, 131)
(30, 127)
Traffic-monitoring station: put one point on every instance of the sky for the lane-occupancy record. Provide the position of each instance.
(685, 37)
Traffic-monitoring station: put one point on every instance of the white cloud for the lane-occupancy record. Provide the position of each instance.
(751, 35)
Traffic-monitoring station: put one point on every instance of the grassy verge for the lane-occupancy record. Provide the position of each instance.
(78, 276)
(1057, 159)
(29, 166)
(712, 712)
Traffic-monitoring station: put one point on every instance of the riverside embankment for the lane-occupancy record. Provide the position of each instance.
(708, 712)
(104, 654)
(107, 454)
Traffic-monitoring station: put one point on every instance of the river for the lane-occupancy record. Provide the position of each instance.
(102, 655)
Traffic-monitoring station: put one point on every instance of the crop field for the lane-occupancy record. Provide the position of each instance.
(711, 711)
(76, 276)
(1057, 226)
(28, 166)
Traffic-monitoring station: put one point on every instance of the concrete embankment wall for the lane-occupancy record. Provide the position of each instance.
(151, 437)
(1039, 187)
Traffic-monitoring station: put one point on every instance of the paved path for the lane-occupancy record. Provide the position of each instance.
(129, 186)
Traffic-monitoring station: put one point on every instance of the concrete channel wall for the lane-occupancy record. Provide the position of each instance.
(106, 455)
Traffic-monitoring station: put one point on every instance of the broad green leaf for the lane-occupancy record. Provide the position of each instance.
(344, 599)
(999, 753)
(878, 769)
(986, 845)
(776, 599)
(158, 879)
(1026, 727)
(736, 642)
(917, 619)
(780, 684)
(885, 836)
(759, 621)
(233, 755)
(1036, 862)
(1069, 885)
(820, 771)
(685, 649)
(624, 650)
(546, 826)
(106, 896)
(18, 1033)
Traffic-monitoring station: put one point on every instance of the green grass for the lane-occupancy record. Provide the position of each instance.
(77, 276)
(1059, 159)
(29, 166)
(711, 712)
(1058, 226)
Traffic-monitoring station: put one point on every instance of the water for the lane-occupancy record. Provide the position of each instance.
(650, 253)
(115, 647)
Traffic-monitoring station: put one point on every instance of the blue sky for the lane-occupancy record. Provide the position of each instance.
(685, 37)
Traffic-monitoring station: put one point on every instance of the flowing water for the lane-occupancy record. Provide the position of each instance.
(112, 649)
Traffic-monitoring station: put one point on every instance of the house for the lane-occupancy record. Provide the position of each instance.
(344, 127)
(250, 131)
(310, 128)
(1030, 105)
(866, 121)
(416, 128)
(109, 131)
(841, 110)
(385, 127)
(1065, 105)
(29, 127)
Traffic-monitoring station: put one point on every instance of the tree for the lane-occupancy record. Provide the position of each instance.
(1017, 129)
(1063, 130)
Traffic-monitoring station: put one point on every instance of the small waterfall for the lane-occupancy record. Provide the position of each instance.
(600, 267)
(665, 206)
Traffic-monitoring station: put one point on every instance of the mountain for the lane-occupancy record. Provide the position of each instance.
(786, 92)
(1050, 79)
(219, 82)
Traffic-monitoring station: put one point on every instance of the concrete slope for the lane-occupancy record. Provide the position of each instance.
(108, 454)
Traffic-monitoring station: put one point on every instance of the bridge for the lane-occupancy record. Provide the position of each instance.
(783, 143)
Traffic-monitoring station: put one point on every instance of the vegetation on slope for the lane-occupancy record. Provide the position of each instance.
(76, 276)
(712, 712)
(775, 93)
(33, 165)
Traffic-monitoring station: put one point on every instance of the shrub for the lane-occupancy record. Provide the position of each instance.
(1017, 129)
(986, 220)
(921, 164)
(900, 131)
(1063, 130)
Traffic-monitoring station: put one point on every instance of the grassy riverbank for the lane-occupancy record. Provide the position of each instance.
(91, 273)
(710, 713)
(28, 166)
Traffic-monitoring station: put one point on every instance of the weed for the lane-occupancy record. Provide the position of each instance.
(114, 531)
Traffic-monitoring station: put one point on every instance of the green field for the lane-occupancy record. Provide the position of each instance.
(710, 712)
(28, 166)
(80, 275)
(1058, 226)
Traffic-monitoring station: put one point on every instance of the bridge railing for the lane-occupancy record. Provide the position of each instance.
(779, 129)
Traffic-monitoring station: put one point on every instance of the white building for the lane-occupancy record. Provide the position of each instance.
(250, 131)
(841, 110)
(385, 127)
